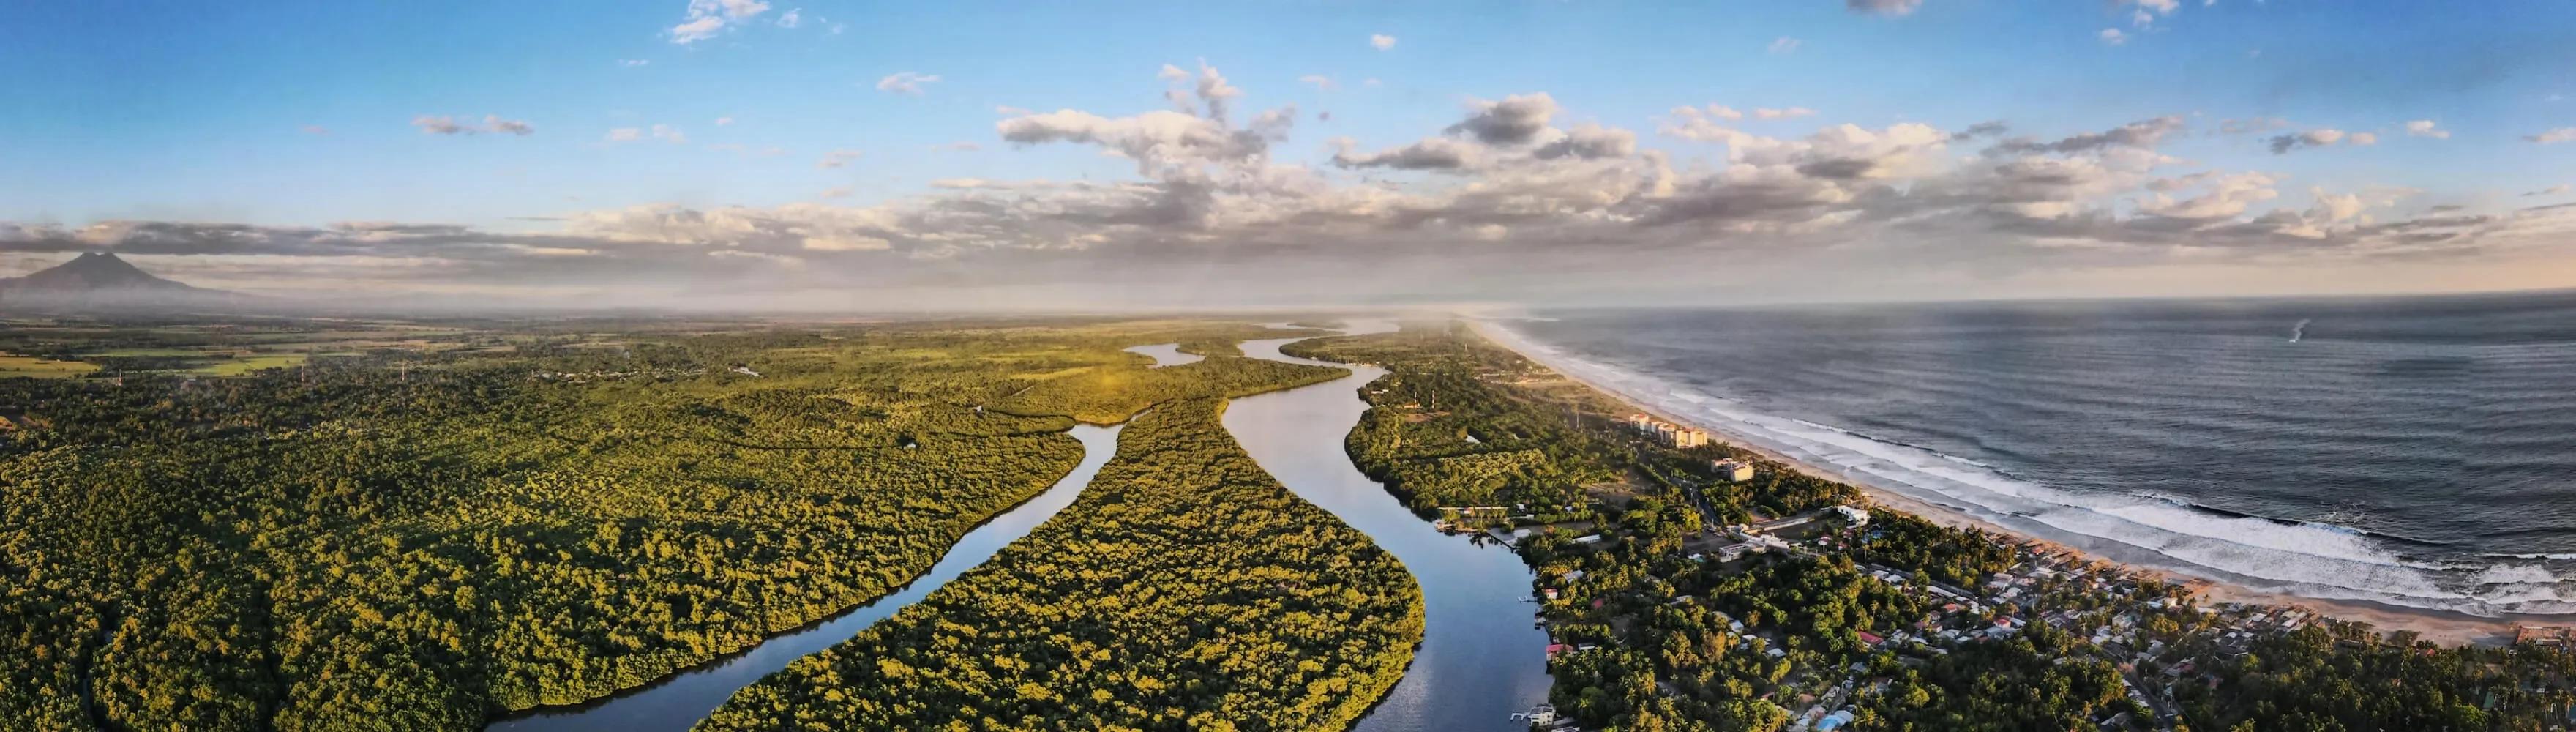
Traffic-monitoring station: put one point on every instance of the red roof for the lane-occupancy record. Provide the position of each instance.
(1869, 637)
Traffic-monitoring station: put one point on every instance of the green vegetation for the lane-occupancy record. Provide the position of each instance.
(41, 368)
(470, 518)
(1186, 589)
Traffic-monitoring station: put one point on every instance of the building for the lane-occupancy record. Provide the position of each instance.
(1857, 516)
(1686, 437)
(1733, 471)
(1640, 422)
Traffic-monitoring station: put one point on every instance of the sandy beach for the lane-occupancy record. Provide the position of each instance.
(2440, 627)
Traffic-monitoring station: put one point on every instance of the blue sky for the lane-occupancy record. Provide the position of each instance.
(303, 114)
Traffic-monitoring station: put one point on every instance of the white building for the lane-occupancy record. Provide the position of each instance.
(1858, 517)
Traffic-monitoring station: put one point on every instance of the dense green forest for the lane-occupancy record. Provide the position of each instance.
(435, 523)
(1438, 435)
(1186, 589)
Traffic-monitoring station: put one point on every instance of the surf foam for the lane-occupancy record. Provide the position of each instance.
(2307, 559)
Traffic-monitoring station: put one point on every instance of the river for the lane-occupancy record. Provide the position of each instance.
(1482, 656)
(677, 702)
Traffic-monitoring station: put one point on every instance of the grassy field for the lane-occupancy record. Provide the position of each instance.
(41, 368)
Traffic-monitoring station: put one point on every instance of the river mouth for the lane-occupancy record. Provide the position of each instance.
(1482, 658)
(676, 702)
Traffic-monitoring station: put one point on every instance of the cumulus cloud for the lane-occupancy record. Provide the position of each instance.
(707, 17)
(2320, 137)
(1883, 7)
(1515, 120)
(792, 18)
(2550, 191)
(2113, 36)
(633, 62)
(1784, 44)
(1319, 81)
(2145, 133)
(906, 82)
(2554, 136)
(1382, 41)
(2426, 128)
(1436, 153)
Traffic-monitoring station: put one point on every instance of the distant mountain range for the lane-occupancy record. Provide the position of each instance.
(102, 281)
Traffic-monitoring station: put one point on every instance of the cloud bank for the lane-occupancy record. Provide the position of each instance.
(1508, 200)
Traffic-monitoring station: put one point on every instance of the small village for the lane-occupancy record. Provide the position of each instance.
(2155, 632)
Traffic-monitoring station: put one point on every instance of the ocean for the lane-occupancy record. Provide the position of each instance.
(2417, 451)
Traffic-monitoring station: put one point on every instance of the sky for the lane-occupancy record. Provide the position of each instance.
(841, 155)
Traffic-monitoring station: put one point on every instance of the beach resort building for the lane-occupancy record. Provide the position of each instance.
(1733, 471)
(1856, 516)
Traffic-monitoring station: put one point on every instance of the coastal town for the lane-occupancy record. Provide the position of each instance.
(1715, 586)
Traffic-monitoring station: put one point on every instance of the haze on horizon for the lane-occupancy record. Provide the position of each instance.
(776, 153)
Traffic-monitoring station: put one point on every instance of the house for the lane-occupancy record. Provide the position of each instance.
(1733, 471)
(1732, 552)
(1855, 516)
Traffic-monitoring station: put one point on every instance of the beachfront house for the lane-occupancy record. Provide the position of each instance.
(1733, 471)
(1857, 517)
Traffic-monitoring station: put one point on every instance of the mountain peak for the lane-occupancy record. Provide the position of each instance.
(95, 270)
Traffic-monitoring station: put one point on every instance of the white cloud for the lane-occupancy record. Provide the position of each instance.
(446, 125)
(2426, 128)
(707, 17)
(2553, 137)
(1883, 7)
(1502, 202)
(722, 121)
(2550, 191)
(2320, 137)
(1382, 41)
(1789, 113)
(1785, 44)
(634, 62)
(906, 82)
(838, 159)
(1320, 81)
(2113, 36)
(494, 123)
(441, 125)
(793, 18)
(665, 133)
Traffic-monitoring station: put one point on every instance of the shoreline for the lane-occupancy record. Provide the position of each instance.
(2446, 628)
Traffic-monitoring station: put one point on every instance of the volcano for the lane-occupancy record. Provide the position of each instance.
(100, 280)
